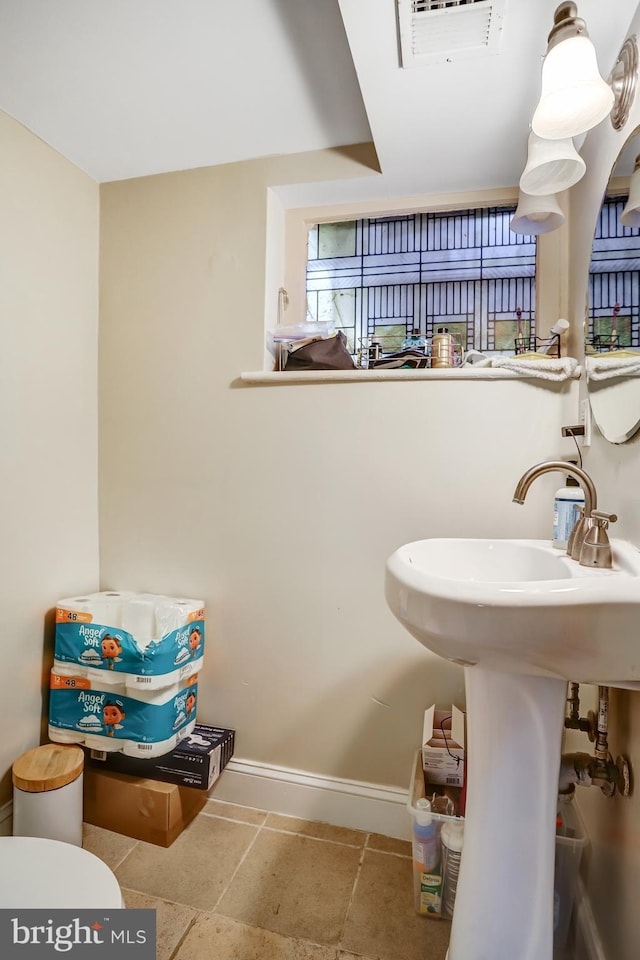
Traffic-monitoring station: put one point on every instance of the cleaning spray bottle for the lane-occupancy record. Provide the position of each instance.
(427, 882)
(568, 501)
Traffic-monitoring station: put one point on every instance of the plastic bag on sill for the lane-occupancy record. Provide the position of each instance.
(326, 353)
(290, 333)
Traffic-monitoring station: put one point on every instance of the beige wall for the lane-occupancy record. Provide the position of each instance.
(279, 505)
(48, 408)
(613, 825)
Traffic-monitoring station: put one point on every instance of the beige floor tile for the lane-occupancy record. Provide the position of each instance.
(376, 841)
(345, 955)
(382, 921)
(313, 828)
(195, 869)
(224, 939)
(294, 885)
(110, 847)
(172, 920)
(233, 811)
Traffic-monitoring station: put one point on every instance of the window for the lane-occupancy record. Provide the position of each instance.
(381, 277)
(614, 281)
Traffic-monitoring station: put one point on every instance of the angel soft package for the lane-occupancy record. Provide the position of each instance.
(149, 724)
(146, 641)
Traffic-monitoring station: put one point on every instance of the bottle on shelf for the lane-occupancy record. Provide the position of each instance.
(426, 860)
(415, 341)
(451, 837)
(374, 352)
(442, 348)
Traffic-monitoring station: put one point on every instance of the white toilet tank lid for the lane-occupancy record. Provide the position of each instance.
(48, 874)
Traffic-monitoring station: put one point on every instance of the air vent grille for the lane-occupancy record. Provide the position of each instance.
(435, 31)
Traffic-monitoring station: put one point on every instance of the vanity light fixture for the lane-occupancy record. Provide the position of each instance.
(623, 80)
(552, 166)
(630, 216)
(536, 214)
(574, 97)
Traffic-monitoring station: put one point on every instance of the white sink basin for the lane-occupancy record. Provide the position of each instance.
(523, 619)
(521, 606)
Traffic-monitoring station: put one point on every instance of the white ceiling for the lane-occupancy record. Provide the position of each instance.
(127, 88)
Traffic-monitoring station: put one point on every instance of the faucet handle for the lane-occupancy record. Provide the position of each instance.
(596, 549)
(603, 519)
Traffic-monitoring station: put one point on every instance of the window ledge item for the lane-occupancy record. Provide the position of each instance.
(540, 366)
(618, 363)
(272, 378)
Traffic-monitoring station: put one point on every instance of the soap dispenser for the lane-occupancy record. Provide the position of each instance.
(569, 500)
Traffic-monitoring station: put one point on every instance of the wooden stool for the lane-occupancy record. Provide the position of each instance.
(47, 793)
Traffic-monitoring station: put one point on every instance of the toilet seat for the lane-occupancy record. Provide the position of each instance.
(48, 874)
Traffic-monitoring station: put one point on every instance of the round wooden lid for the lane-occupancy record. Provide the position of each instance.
(48, 767)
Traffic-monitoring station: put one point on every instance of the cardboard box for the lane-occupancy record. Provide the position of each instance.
(144, 809)
(197, 761)
(443, 746)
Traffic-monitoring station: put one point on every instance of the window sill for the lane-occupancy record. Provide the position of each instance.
(272, 378)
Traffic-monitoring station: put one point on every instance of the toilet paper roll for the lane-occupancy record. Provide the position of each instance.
(115, 602)
(189, 669)
(91, 604)
(149, 750)
(138, 618)
(154, 695)
(106, 744)
(66, 669)
(173, 613)
(114, 683)
(58, 735)
(104, 607)
(186, 730)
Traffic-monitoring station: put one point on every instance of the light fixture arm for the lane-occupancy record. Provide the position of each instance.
(566, 24)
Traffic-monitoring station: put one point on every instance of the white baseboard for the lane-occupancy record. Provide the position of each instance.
(297, 793)
(588, 943)
(6, 819)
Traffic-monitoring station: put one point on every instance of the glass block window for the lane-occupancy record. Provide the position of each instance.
(382, 277)
(614, 281)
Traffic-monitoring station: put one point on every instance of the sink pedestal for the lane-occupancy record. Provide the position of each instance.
(504, 902)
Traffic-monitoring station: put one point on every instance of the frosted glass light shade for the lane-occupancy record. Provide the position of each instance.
(630, 216)
(574, 97)
(536, 215)
(552, 166)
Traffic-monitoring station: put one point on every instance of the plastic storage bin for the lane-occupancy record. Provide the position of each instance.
(428, 879)
(571, 841)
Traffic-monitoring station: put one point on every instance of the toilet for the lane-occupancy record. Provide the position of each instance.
(48, 874)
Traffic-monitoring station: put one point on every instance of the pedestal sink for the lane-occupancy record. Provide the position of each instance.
(523, 619)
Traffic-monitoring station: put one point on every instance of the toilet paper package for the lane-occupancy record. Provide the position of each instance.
(108, 719)
(148, 641)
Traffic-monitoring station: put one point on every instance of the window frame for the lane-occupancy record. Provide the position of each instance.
(552, 249)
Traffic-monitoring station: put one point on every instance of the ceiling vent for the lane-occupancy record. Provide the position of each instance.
(437, 31)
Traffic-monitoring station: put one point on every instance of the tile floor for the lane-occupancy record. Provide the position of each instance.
(244, 884)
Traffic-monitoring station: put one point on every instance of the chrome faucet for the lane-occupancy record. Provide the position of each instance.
(588, 541)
